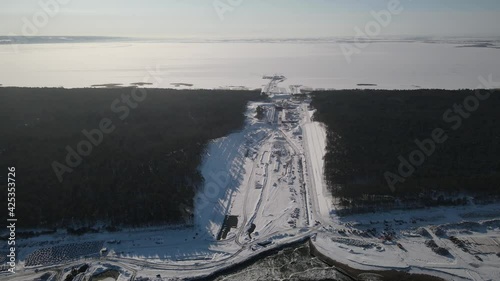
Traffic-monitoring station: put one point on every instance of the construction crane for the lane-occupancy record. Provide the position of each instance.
(272, 87)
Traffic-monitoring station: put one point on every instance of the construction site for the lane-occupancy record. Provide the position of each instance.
(265, 190)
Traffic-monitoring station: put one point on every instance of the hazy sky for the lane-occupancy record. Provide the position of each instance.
(252, 18)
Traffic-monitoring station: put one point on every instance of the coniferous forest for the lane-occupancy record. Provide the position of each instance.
(142, 168)
(376, 140)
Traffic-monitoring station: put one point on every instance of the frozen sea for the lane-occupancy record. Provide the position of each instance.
(390, 64)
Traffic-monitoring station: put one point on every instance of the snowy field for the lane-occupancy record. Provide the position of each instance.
(411, 229)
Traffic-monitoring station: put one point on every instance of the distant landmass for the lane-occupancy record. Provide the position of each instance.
(58, 39)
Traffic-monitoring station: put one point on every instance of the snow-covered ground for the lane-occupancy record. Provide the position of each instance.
(269, 176)
(315, 144)
(411, 229)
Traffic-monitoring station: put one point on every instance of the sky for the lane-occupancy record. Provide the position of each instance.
(245, 18)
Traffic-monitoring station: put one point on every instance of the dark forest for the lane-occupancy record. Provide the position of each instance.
(144, 172)
(369, 132)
